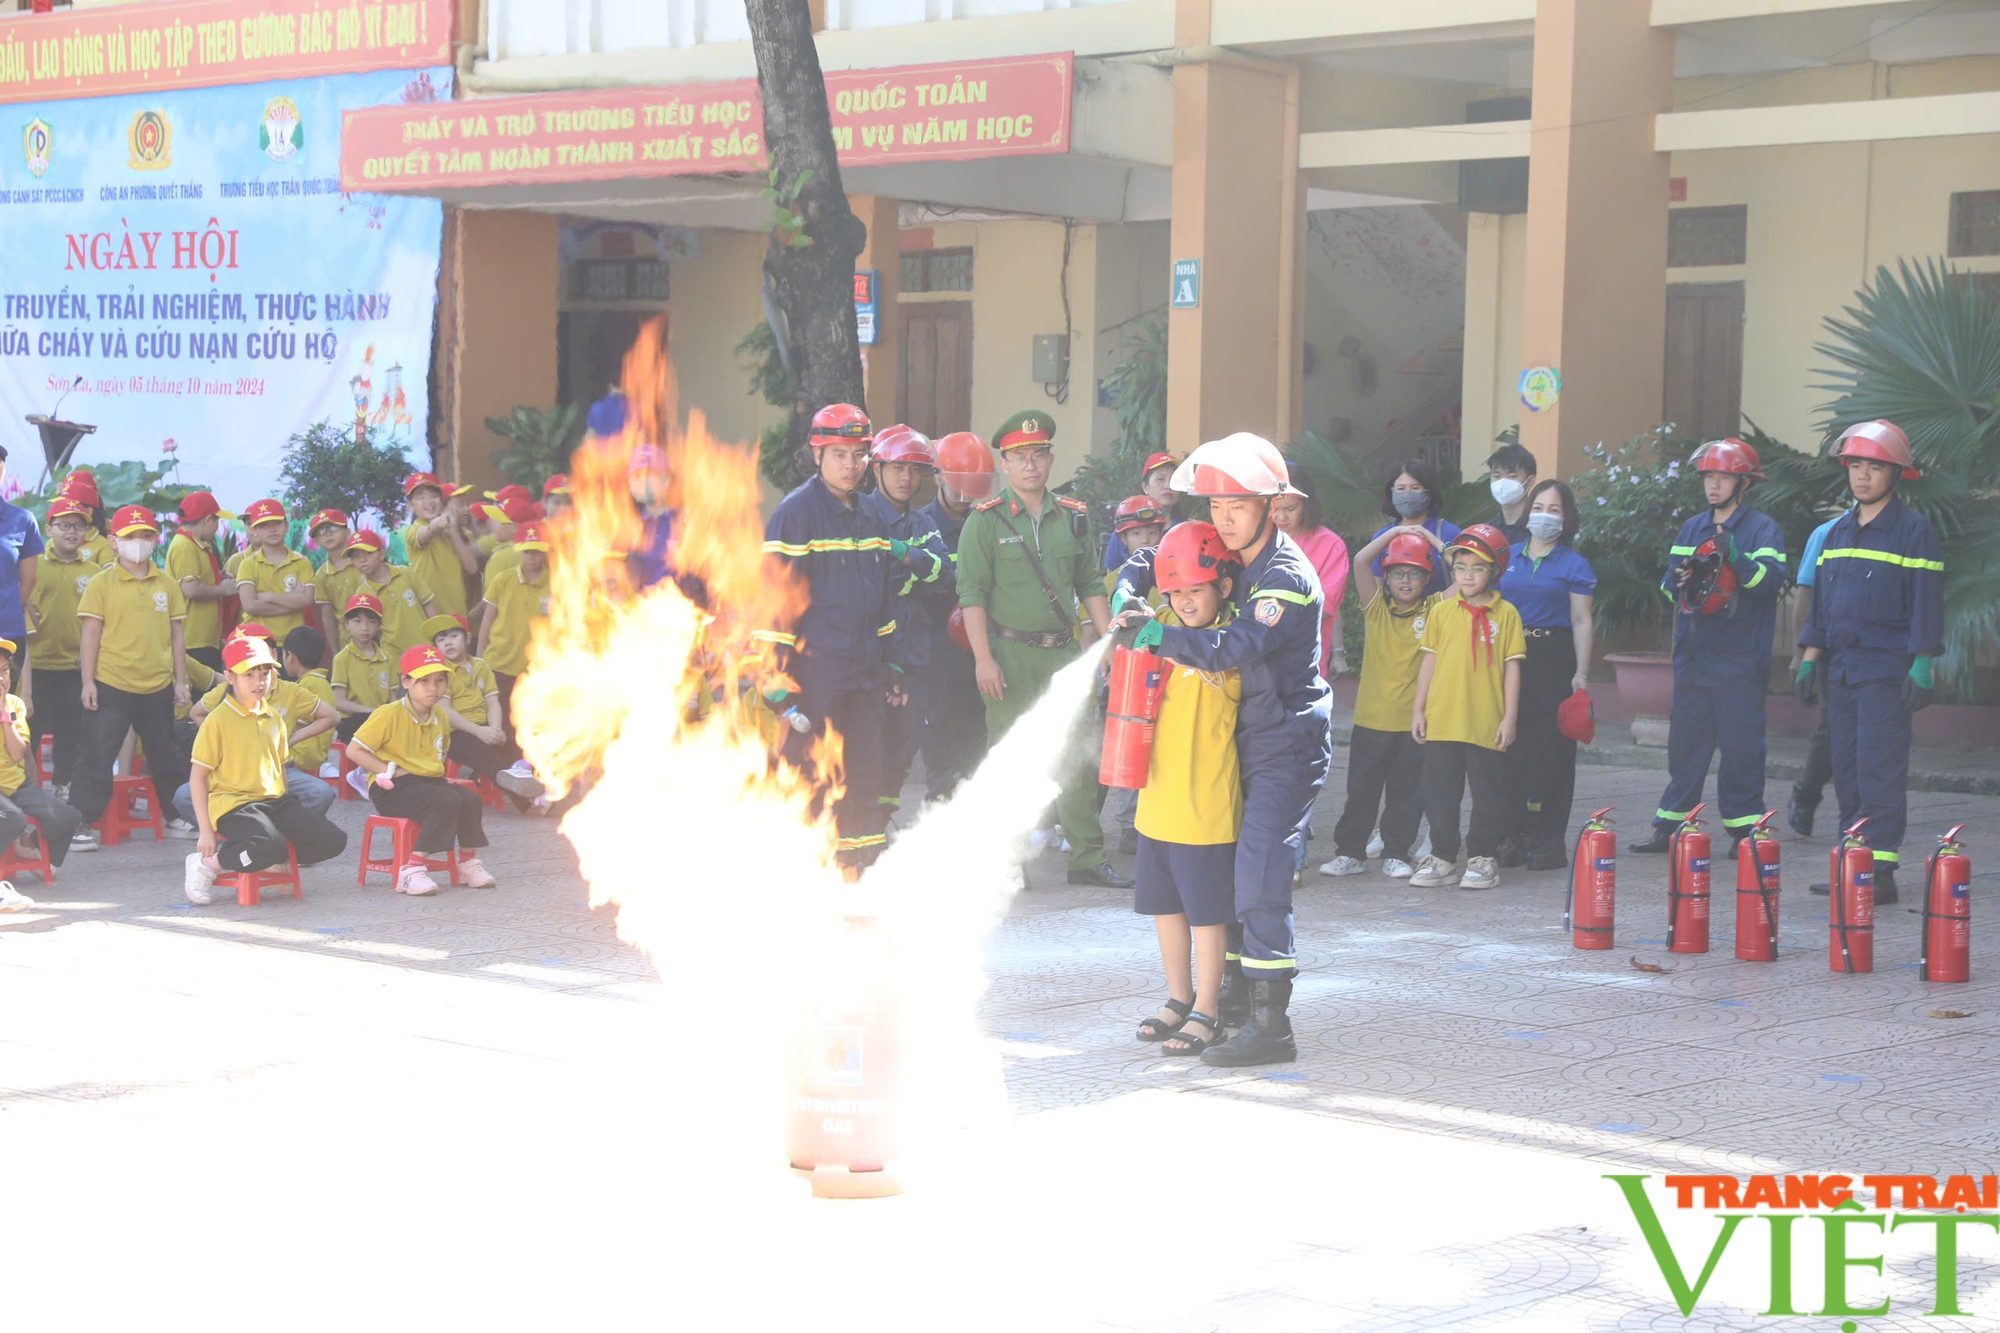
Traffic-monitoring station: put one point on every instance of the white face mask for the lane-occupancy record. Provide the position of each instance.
(1507, 491)
(1545, 527)
(138, 550)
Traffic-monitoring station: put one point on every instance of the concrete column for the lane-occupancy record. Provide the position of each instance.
(498, 327)
(1234, 361)
(1597, 225)
(884, 254)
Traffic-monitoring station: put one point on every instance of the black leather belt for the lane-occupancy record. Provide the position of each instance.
(1054, 638)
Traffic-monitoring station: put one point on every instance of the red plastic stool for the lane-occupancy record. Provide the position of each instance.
(118, 822)
(12, 859)
(249, 884)
(403, 849)
(345, 788)
(45, 759)
(490, 795)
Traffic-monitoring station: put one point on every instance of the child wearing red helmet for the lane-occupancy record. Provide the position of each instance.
(1191, 807)
(1468, 700)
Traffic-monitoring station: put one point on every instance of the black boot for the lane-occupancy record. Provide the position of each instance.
(1234, 1006)
(1548, 854)
(1513, 852)
(1800, 815)
(1267, 1038)
(1663, 838)
(1885, 885)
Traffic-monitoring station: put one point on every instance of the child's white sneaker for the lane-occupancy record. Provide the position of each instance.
(1375, 844)
(330, 770)
(1395, 869)
(475, 875)
(1481, 872)
(415, 880)
(199, 885)
(12, 899)
(524, 785)
(1343, 865)
(1434, 873)
(521, 768)
(357, 778)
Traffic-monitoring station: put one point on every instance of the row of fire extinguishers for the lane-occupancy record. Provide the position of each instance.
(1946, 942)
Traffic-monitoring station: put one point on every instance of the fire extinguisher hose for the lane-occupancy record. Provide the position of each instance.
(1674, 894)
(1840, 908)
(1569, 893)
(1924, 930)
(1764, 893)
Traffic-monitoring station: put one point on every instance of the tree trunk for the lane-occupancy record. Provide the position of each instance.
(813, 285)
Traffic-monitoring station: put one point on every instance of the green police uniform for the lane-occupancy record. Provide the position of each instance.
(1031, 640)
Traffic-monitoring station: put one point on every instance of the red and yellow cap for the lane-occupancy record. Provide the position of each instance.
(454, 489)
(198, 505)
(244, 653)
(507, 509)
(365, 540)
(529, 538)
(134, 518)
(81, 483)
(264, 511)
(363, 601)
(415, 480)
(556, 485)
(327, 518)
(437, 625)
(423, 660)
(65, 505)
(252, 629)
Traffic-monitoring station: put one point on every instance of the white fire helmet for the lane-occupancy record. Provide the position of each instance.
(1239, 465)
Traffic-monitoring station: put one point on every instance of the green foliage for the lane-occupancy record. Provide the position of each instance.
(327, 468)
(129, 482)
(1138, 386)
(540, 443)
(758, 356)
(1631, 504)
(788, 223)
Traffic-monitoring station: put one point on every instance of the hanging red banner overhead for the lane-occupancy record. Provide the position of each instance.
(172, 44)
(920, 113)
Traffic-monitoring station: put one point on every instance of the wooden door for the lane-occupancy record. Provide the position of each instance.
(934, 386)
(1704, 380)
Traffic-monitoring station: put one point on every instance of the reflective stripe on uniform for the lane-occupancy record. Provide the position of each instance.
(886, 630)
(1886, 557)
(1740, 821)
(856, 844)
(1301, 598)
(786, 549)
(772, 636)
(1678, 816)
(1680, 550)
(1271, 964)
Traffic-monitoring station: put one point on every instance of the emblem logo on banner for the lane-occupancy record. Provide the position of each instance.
(38, 141)
(283, 131)
(152, 141)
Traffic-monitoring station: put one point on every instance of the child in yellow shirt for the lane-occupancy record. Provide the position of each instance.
(20, 798)
(333, 581)
(55, 635)
(274, 581)
(514, 602)
(437, 544)
(364, 674)
(472, 706)
(1468, 697)
(1192, 804)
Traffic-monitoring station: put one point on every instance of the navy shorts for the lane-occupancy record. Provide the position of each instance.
(1173, 878)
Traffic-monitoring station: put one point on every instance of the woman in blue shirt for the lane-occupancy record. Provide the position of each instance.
(1552, 587)
(1414, 495)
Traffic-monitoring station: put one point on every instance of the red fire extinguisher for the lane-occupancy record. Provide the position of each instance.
(1757, 893)
(1591, 906)
(1138, 679)
(844, 1131)
(1947, 948)
(1850, 934)
(1687, 886)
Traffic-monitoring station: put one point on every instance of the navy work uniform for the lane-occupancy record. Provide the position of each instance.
(1722, 671)
(1283, 744)
(954, 710)
(1878, 603)
(842, 651)
(926, 591)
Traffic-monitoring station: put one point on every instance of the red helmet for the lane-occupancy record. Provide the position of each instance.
(901, 444)
(1408, 548)
(1237, 466)
(1191, 554)
(1137, 511)
(1729, 455)
(965, 464)
(839, 423)
(1882, 441)
(1485, 541)
(1711, 583)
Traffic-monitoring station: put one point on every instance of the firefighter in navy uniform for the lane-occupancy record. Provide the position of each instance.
(841, 664)
(1725, 572)
(1282, 740)
(1876, 623)
(954, 713)
(901, 458)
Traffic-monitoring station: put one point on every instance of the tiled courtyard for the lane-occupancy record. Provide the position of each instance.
(361, 1109)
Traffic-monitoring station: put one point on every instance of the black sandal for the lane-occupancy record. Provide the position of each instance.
(1158, 1029)
(1195, 1045)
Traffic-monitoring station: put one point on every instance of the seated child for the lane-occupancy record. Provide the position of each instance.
(21, 799)
(472, 706)
(401, 746)
(247, 820)
(364, 675)
(305, 649)
(310, 718)
(1192, 804)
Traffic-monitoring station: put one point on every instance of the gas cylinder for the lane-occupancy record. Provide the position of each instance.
(1757, 893)
(1590, 909)
(846, 1095)
(1687, 886)
(1850, 919)
(1138, 679)
(1947, 947)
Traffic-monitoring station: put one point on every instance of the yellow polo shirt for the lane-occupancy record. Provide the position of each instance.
(1194, 788)
(334, 587)
(188, 559)
(517, 605)
(370, 681)
(244, 754)
(310, 753)
(403, 613)
(394, 734)
(471, 681)
(136, 653)
(57, 638)
(99, 549)
(292, 573)
(235, 561)
(1389, 661)
(1468, 698)
(505, 559)
(436, 567)
(12, 772)
(293, 700)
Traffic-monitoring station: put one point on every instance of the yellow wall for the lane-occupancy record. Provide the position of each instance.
(715, 301)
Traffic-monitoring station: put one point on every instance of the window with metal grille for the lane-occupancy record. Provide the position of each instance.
(1975, 224)
(937, 270)
(1703, 237)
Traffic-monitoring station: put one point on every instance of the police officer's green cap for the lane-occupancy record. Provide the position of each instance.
(1023, 429)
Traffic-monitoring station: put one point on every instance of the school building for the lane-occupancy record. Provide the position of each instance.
(1359, 218)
